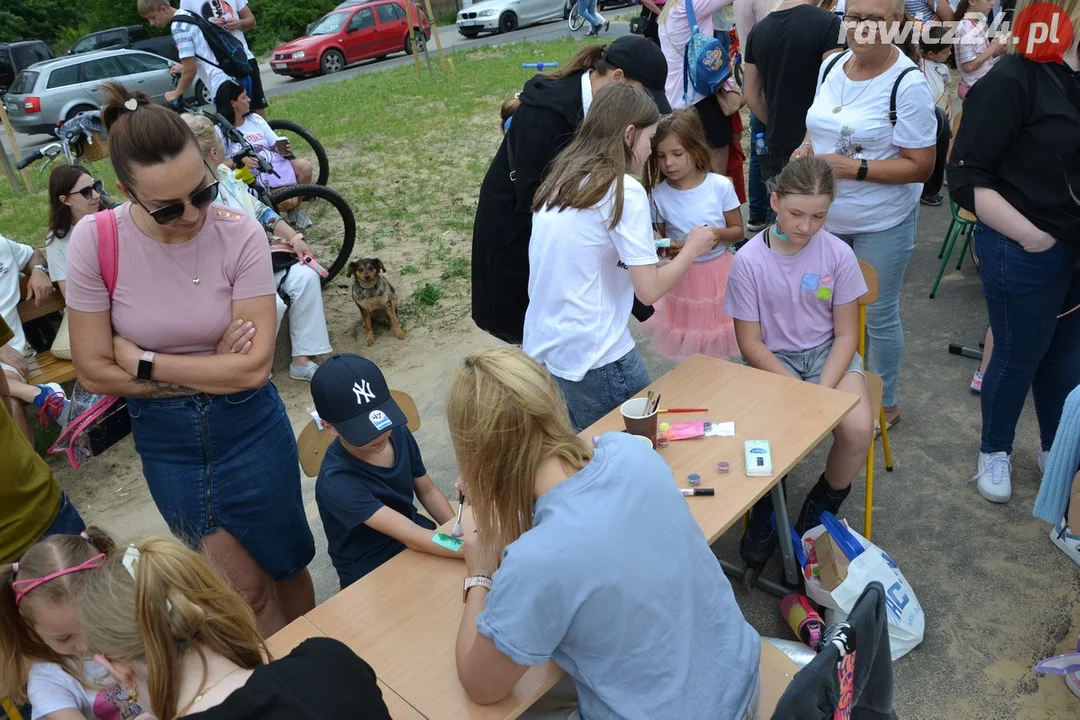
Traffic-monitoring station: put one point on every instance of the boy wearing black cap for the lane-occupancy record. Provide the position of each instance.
(371, 473)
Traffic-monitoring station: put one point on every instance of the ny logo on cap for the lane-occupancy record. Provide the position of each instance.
(362, 391)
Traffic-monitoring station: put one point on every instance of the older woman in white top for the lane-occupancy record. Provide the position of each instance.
(675, 33)
(882, 156)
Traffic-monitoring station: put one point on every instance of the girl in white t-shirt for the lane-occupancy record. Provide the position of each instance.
(41, 642)
(685, 195)
(234, 105)
(592, 250)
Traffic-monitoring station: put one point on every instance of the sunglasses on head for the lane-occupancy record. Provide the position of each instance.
(88, 191)
(174, 211)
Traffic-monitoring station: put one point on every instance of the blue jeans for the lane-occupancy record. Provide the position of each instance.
(1025, 292)
(227, 462)
(603, 389)
(888, 252)
(587, 9)
(68, 521)
(759, 196)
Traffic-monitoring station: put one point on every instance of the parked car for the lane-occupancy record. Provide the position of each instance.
(499, 16)
(133, 37)
(17, 56)
(53, 91)
(342, 37)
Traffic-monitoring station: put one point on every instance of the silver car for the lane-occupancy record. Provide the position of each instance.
(497, 16)
(52, 91)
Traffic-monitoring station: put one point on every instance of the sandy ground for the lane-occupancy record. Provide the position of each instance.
(998, 596)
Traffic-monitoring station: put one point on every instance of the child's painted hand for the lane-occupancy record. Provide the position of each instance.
(700, 241)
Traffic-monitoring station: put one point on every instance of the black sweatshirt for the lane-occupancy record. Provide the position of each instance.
(1021, 136)
(551, 111)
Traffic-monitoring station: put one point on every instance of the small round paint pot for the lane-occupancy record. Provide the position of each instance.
(661, 441)
(694, 479)
(723, 467)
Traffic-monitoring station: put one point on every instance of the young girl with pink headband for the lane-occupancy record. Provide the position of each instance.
(43, 658)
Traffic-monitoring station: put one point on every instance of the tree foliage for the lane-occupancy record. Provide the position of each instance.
(55, 22)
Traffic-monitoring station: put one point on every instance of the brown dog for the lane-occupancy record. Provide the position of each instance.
(372, 292)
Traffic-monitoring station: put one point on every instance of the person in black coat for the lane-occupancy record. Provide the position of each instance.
(552, 107)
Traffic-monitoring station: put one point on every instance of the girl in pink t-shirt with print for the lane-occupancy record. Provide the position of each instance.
(793, 293)
(216, 445)
(975, 52)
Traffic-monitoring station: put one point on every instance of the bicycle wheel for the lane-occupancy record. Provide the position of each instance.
(325, 219)
(576, 21)
(304, 145)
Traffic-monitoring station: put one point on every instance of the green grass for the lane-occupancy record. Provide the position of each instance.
(407, 152)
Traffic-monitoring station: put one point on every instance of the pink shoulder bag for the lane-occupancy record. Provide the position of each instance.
(96, 422)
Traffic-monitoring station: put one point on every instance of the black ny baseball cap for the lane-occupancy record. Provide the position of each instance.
(641, 60)
(350, 392)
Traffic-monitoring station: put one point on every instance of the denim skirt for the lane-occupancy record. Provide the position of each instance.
(227, 462)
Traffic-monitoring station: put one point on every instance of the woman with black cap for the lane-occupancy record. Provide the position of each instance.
(552, 107)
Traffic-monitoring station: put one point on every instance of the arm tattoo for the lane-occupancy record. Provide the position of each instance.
(154, 388)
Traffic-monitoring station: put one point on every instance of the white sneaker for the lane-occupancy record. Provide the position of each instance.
(1066, 540)
(994, 476)
(302, 372)
(1044, 457)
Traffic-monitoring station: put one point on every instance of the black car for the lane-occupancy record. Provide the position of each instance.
(133, 37)
(16, 56)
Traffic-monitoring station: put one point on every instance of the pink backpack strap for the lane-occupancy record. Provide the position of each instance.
(108, 244)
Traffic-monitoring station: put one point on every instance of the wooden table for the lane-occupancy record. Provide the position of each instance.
(299, 630)
(403, 617)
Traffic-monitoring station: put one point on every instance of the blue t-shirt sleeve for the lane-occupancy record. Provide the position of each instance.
(525, 619)
(416, 460)
(341, 494)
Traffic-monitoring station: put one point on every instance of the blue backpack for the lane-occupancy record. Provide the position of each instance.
(706, 63)
(228, 53)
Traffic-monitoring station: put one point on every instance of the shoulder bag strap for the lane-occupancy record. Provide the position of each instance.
(108, 247)
(832, 63)
(896, 91)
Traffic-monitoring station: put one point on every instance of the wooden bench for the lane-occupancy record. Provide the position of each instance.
(44, 368)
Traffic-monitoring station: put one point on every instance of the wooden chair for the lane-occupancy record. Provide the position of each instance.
(961, 224)
(44, 368)
(777, 671)
(874, 388)
(313, 441)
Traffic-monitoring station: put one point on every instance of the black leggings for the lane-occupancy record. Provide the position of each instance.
(933, 185)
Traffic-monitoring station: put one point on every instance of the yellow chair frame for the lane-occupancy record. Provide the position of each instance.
(9, 708)
(874, 388)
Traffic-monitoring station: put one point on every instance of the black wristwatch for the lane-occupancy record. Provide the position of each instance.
(861, 174)
(146, 366)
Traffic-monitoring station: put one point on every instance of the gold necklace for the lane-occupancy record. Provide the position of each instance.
(836, 110)
(204, 691)
(195, 279)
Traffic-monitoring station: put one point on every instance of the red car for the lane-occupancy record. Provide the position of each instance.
(352, 34)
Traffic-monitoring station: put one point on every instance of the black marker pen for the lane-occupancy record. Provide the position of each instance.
(697, 491)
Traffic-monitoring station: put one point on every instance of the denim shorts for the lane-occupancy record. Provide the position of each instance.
(808, 364)
(603, 389)
(227, 461)
(68, 521)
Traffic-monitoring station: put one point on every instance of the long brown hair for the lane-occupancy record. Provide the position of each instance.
(582, 174)
(174, 603)
(61, 181)
(20, 645)
(685, 125)
(148, 135)
(506, 416)
(590, 57)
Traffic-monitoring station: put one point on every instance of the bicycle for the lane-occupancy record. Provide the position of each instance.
(575, 20)
(322, 214)
(81, 142)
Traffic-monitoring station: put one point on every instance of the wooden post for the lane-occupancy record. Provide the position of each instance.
(14, 148)
(412, 36)
(435, 33)
(15, 184)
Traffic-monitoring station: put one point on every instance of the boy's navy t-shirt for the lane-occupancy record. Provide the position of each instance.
(349, 491)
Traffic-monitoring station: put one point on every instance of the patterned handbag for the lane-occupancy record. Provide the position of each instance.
(94, 423)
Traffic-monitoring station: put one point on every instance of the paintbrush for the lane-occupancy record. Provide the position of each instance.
(655, 405)
(683, 410)
(648, 404)
(458, 531)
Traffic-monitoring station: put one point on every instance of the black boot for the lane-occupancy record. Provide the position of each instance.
(760, 539)
(820, 498)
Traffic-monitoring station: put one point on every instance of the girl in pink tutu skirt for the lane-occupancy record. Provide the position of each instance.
(685, 195)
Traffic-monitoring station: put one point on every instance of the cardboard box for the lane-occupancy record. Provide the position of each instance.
(832, 562)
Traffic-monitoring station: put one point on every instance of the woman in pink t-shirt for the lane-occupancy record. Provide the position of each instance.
(215, 441)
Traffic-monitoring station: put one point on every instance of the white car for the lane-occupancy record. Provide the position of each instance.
(498, 16)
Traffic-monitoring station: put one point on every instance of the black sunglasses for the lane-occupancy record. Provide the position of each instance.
(88, 191)
(174, 211)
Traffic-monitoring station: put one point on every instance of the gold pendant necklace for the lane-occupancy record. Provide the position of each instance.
(195, 280)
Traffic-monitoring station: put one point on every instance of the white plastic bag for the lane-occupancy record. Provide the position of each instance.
(907, 623)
